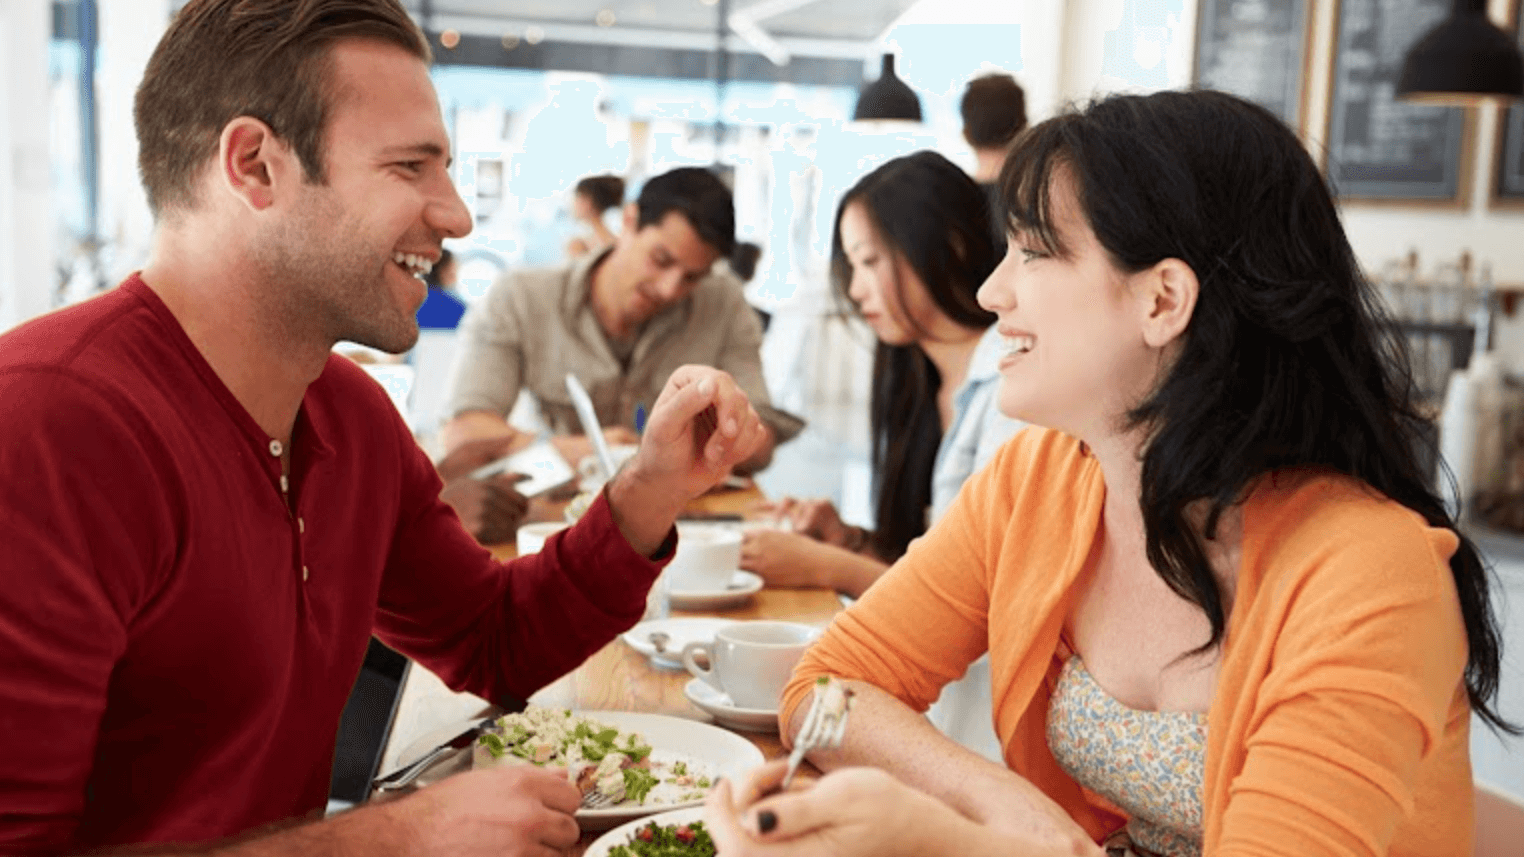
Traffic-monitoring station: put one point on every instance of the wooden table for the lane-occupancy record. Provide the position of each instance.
(616, 677)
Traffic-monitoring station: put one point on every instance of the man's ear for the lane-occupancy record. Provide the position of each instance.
(1167, 293)
(252, 162)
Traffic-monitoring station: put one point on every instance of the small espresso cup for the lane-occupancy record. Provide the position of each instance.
(707, 557)
(751, 661)
(531, 537)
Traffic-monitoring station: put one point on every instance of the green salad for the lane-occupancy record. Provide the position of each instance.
(667, 840)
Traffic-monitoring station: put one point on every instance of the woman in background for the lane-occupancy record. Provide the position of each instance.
(1219, 592)
(592, 199)
(910, 247)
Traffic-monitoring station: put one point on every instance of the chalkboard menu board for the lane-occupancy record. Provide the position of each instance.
(1255, 49)
(1380, 147)
(1511, 147)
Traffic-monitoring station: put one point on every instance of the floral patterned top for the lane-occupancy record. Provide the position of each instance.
(1151, 764)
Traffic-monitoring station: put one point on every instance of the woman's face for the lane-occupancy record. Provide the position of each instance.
(889, 294)
(1075, 359)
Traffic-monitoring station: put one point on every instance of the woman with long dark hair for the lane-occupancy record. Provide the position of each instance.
(1226, 611)
(909, 250)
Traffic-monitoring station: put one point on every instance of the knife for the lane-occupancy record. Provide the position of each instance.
(405, 775)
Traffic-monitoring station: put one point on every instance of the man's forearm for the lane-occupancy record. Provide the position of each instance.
(643, 512)
(372, 830)
(470, 426)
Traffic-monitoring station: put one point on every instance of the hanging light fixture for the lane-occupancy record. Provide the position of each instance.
(887, 98)
(1464, 60)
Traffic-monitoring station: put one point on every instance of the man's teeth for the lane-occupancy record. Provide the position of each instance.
(418, 266)
(1019, 344)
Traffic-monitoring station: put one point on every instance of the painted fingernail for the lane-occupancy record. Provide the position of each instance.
(766, 821)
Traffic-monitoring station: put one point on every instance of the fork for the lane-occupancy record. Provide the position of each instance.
(824, 726)
(598, 800)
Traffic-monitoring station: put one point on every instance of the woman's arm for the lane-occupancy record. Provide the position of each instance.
(795, 560)
(858, 811)
(906, 745)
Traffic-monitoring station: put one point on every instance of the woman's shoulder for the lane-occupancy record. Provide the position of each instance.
(1301, 520)
(1037, 467)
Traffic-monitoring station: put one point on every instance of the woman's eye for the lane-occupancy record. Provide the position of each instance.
(1028, 254)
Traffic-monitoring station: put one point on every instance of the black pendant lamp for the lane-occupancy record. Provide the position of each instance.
(887, 98)
(1463, 60)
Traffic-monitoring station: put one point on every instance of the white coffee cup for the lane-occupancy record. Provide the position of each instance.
(751, 661)
(707, 557)
(531, 537)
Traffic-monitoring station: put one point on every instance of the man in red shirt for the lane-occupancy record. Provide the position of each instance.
(205, 514)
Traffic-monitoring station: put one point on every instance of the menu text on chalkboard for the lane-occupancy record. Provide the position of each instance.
(1254, 49)
(1380, 147)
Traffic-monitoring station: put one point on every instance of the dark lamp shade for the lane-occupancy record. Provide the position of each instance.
(887, 98)
(1463, 60)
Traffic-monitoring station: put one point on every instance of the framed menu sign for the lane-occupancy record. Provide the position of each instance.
(1510, 186)
(1381, 148)
(1255, 49)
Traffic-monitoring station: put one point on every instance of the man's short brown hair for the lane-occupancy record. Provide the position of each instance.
(994, 109)
(268, 59)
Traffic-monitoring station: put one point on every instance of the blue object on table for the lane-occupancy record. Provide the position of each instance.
(440, 310)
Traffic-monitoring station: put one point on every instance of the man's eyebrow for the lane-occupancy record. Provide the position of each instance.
(419, 150)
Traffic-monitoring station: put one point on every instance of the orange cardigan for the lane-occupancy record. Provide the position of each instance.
(1340, 721)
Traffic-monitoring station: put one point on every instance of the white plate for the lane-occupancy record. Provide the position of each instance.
(622, 834)
(743, 585)
(717, 704)
(680, 632)
(724, 754)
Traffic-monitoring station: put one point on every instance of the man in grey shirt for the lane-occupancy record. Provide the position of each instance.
(621, 321)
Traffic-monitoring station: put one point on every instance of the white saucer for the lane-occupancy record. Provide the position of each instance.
(717, 705)
(743, 585)
(680, 632)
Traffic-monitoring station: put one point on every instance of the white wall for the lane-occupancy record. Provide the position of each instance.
(26, 257)
(130, 31)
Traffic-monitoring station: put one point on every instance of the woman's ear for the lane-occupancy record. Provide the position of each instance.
(252, 162)
(1167, 293)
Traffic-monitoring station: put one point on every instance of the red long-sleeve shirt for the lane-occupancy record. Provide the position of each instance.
(176, 643)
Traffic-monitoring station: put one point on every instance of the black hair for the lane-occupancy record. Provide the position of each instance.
(699, 196)
(994, 109)
(931, 214)
(604, 192)
(744, 259)
(1289, 358)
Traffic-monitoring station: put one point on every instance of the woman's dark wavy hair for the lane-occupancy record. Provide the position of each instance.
(1288, 360)
(933, 215)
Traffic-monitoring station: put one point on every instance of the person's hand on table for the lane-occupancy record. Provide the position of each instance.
(520, 810)
(859, 812)
(817, 519)
(785, 559)
(853, 811)
(490, 509)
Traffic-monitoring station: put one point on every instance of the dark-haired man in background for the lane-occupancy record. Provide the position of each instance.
(206, 514)
(621, 320)
(994, 109)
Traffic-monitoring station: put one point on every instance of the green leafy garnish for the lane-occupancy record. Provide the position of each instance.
(493, 743)
(638, 782)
